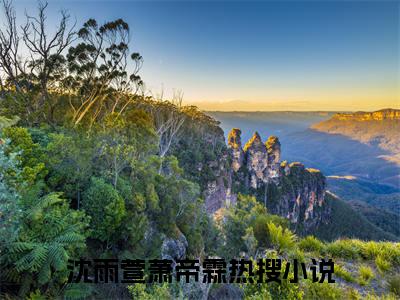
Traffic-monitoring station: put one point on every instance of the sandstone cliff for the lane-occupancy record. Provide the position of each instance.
(225, 169)
(380, 128)
(289, 190)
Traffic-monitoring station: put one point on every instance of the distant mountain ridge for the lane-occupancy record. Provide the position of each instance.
(380, 128)
(383, 114)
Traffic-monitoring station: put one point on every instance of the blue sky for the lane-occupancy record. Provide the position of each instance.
(261, 54)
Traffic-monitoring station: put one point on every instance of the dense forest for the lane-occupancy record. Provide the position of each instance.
(94, 166)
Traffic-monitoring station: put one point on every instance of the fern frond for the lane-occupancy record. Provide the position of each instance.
(69, 237)
(33, 260)
(44, 274)
(49, 200)
(57, 256)
(19, 247)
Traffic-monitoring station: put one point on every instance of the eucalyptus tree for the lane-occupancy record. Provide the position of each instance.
(104, 74)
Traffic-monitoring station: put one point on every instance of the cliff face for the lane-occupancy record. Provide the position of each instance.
(380, 128)
(235, 148)
(302, 197)
(289, 190)
(384, 114)
(224, 170)
(256, 161)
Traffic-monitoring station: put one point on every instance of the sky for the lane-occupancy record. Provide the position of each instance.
(259, 55)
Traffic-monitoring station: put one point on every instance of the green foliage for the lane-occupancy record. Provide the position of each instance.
(284, 290)
(238, 219)
(30, 156)
(9, 198)
(140, 291)
(282, 239)
(124, 139)
(394, 285)
(365, 275)
(343, 248)
(382, 263)
(341, 272)
(311, 243)
(70, 163)
(326, 291)
(250, 241)
(260, 227)
(344, 219)
(50, 233)
(200, 151)
(105, 207)
(77, 291)
(7, 122)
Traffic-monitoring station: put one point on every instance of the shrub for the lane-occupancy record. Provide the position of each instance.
(105, 207)
(311, 243)
(343, 273)
(282, 239)
(365, 275)
(344, 248)
(391, 251)
(352, 294)
(297, 254)
(260, 228)
(326, 291)
(370, 250)
(382, 263)
(394, 285)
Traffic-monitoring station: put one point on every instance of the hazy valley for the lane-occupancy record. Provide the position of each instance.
(357, 171)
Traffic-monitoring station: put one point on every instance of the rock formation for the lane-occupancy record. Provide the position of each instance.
(235, 148)
(274, 155)
(289, 190)
(174, 249)
(256, 160)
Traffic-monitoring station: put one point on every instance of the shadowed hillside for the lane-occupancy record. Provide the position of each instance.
(335, 154)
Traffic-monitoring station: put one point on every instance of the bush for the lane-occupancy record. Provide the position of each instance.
(326, 291)
(105, 207)
(370, 250)
(260, 227)
(382, 263)
(394, 285)
(352, 294)
(365, 275)
(344, 249)
(282, 239)
(391, 251)
(297, 254)
(311, 243)
(343, 273)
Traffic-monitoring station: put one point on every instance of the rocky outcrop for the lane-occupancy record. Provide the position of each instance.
(288, 190)
(301, 197)
(274, 155)
(235, 148)
(274, 150)
(174, 248)
(256, 160)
